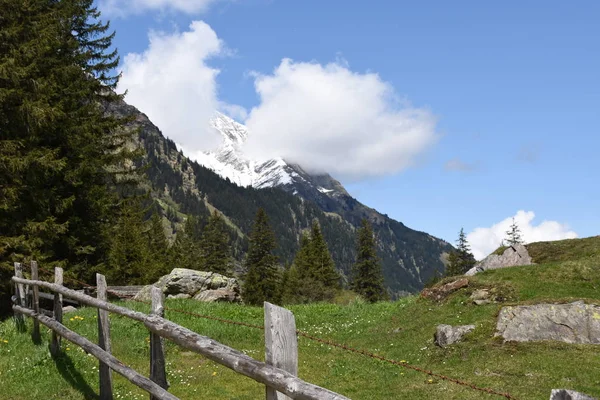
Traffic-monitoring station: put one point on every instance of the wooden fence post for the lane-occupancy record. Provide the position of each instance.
(281, 344)
(158, 373)
(35, 335)
(105, 374)
(18, 299)
(55, 344)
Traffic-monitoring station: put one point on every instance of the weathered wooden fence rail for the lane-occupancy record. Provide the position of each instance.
(278, 373)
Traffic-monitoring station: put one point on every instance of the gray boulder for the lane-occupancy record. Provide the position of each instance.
(514, 255)
(565, 394)
(69, 309)
(448, 334)
(184, 283)
(571, 323)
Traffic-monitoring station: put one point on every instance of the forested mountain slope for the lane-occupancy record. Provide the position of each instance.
(182, 186)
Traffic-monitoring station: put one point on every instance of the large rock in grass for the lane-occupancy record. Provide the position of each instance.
(439, 293)
(200, 285)
(564, 394)
(448, 334)
(571, 323)
(513, 255)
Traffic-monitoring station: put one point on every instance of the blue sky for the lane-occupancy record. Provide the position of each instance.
(513, 89)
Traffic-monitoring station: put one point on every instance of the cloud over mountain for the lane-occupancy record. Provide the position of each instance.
(485, 240)
(172, 83)
(330, 118)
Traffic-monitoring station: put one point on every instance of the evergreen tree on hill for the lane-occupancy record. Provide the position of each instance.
(185, 251)
(367, 276)
(215, 252)
(262, 281)
(323, 267)
(60, 155)
(461, 260)
(129, 256)
(513, 235)
(158, 247)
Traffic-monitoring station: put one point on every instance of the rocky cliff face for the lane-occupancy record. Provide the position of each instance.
(292, 198)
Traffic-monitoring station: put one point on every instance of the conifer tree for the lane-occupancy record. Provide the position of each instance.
(262, 281)
(158, 247)
(60, 154)
(300, 285)
(185, 251)
(215, 252)
(367, 276)
(129, 257)
(461, 260)
(323, 267)
(513, 235)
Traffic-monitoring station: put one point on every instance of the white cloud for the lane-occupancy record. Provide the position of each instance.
(485, 240)
(122, 8)
(329, 118)
(172, 84)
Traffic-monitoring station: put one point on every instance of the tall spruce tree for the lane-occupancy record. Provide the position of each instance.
(367, 276)
(262, 280)
(460, 260)
(513, 235)
(215, 251)
(323, 267)
(185, 251)
(60, 154)
(300, 285)
(158, 247)
(129, 256)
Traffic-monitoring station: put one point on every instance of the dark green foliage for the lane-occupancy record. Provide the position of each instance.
(313, 276)
(262, 281)
(60, 155)
(460, 260)
(158, 247)
(129, 256)
(513, 235)
(215, 252)
(322, 264)
(185, 251)
(367, 277)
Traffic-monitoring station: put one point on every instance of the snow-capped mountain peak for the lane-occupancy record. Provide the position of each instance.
(230, 162)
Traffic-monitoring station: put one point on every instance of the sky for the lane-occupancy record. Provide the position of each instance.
(442, 115)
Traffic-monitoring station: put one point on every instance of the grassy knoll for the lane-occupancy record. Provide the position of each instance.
(400, 330)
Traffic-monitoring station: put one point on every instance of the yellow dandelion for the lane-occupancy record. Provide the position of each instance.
(430, 380)
(71, 319)
(214, 373)
(5, 341)
(68, 348)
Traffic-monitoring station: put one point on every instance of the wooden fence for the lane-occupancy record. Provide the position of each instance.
(278, 373)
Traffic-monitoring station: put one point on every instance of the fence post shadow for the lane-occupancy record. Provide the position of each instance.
(73, 377)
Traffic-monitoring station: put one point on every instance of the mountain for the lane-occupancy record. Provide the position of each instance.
(292, 198)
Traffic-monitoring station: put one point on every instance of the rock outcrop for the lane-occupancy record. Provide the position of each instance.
(564, 394)
(184, 283)
(439, 293)
(571, 323)
(447, 334)
(513, 255)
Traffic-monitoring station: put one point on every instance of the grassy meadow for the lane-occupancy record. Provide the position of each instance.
(400, 330)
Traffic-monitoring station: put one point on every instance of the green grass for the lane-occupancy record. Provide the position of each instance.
(400, 330)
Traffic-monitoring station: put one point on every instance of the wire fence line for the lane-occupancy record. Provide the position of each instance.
(308, 336)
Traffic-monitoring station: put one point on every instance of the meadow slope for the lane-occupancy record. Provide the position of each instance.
(400, 330)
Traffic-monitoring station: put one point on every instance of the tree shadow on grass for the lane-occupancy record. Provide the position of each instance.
(69, 372)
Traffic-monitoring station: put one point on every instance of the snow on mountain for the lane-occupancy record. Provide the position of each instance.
(230, 162)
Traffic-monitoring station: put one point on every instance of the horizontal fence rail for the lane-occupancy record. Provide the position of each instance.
(276, 378)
